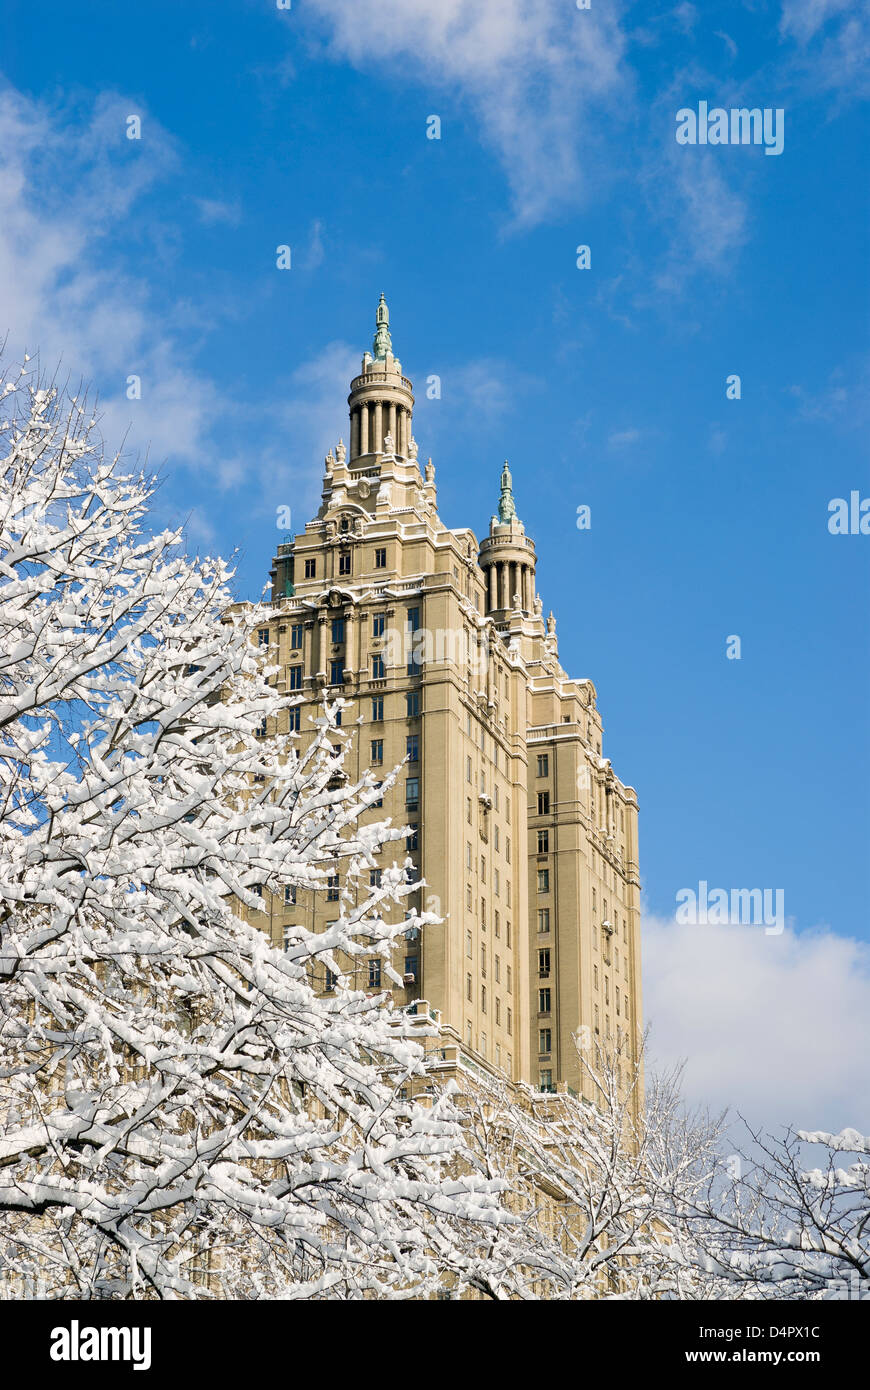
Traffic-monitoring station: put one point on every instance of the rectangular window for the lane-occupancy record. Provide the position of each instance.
(546, 1081)
(344, 562)
(543, 803)
(289, 934)
(411, 840)
(295, 677)
(544, 961)
(497, 925)
(412, 794)
(332, 888)
(543, 842)
(381, 559)
(377, 750)
(497, 967)
(413, 620)
(509, 979)
(483, 914)
(331, 981)
(261, 729)
(290, 895)
(377, 668)
(544, 1038)
(412, 704)
(468, 769)
(543, 919)
(508, 937)
(338, 630)
(336, 673)
(380, 800)
(263, 637)
(508, 891)
(496, 882)
(411, 967)
(310, 569)
(374, 878)
(495, 831)
(374, 974)
(296, 637)
(378, 621)
(507, 848)
(543, 1001)
(482, 869)
(378, 709)
(543, 765)
(543, 880)
(468, 896)
(412, 747)
(468, 809)
(294, 720)
(483, 999)
(510, 1025)
(468, 944)
(468, 986)
(497, 1010)
(483, 962)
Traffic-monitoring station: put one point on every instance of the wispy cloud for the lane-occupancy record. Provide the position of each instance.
(833, 44)
(623, 439)
(540, 78)
(212, 211)
(71, 288)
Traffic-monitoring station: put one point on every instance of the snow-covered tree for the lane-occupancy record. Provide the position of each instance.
(601, 1188)
(182, 1114)
(794, 1221)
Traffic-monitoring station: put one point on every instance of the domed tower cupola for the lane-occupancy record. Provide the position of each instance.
(381, 400)
(507, 557)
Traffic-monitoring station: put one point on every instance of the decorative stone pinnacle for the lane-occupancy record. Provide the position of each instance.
(506, 507)
(383, 343)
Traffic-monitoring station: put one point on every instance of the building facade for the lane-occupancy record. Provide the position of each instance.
(522, 836)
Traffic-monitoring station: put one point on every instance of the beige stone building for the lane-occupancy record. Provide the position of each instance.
(525, 838)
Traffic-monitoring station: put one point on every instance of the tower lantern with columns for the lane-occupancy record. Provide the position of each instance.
(381, 400)
(507, 558)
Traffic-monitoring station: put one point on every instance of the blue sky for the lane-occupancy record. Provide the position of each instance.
(307, 127)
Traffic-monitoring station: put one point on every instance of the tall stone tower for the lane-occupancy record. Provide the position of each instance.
(521, 835)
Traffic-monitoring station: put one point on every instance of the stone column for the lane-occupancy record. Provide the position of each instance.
(401, 431)
(378, 438)
(364, 428)
(500, 584)
(493, 588)
(322, 622)
(354, 433)
(350, 658)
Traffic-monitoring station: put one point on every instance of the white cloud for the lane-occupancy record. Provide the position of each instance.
(621, 439)
(70, 187)
(833, 43)
(545, 80)
(212, 211)
(775, 1026)
(802, 19)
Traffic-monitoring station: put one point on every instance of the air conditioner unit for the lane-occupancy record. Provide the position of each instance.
(408, 979)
